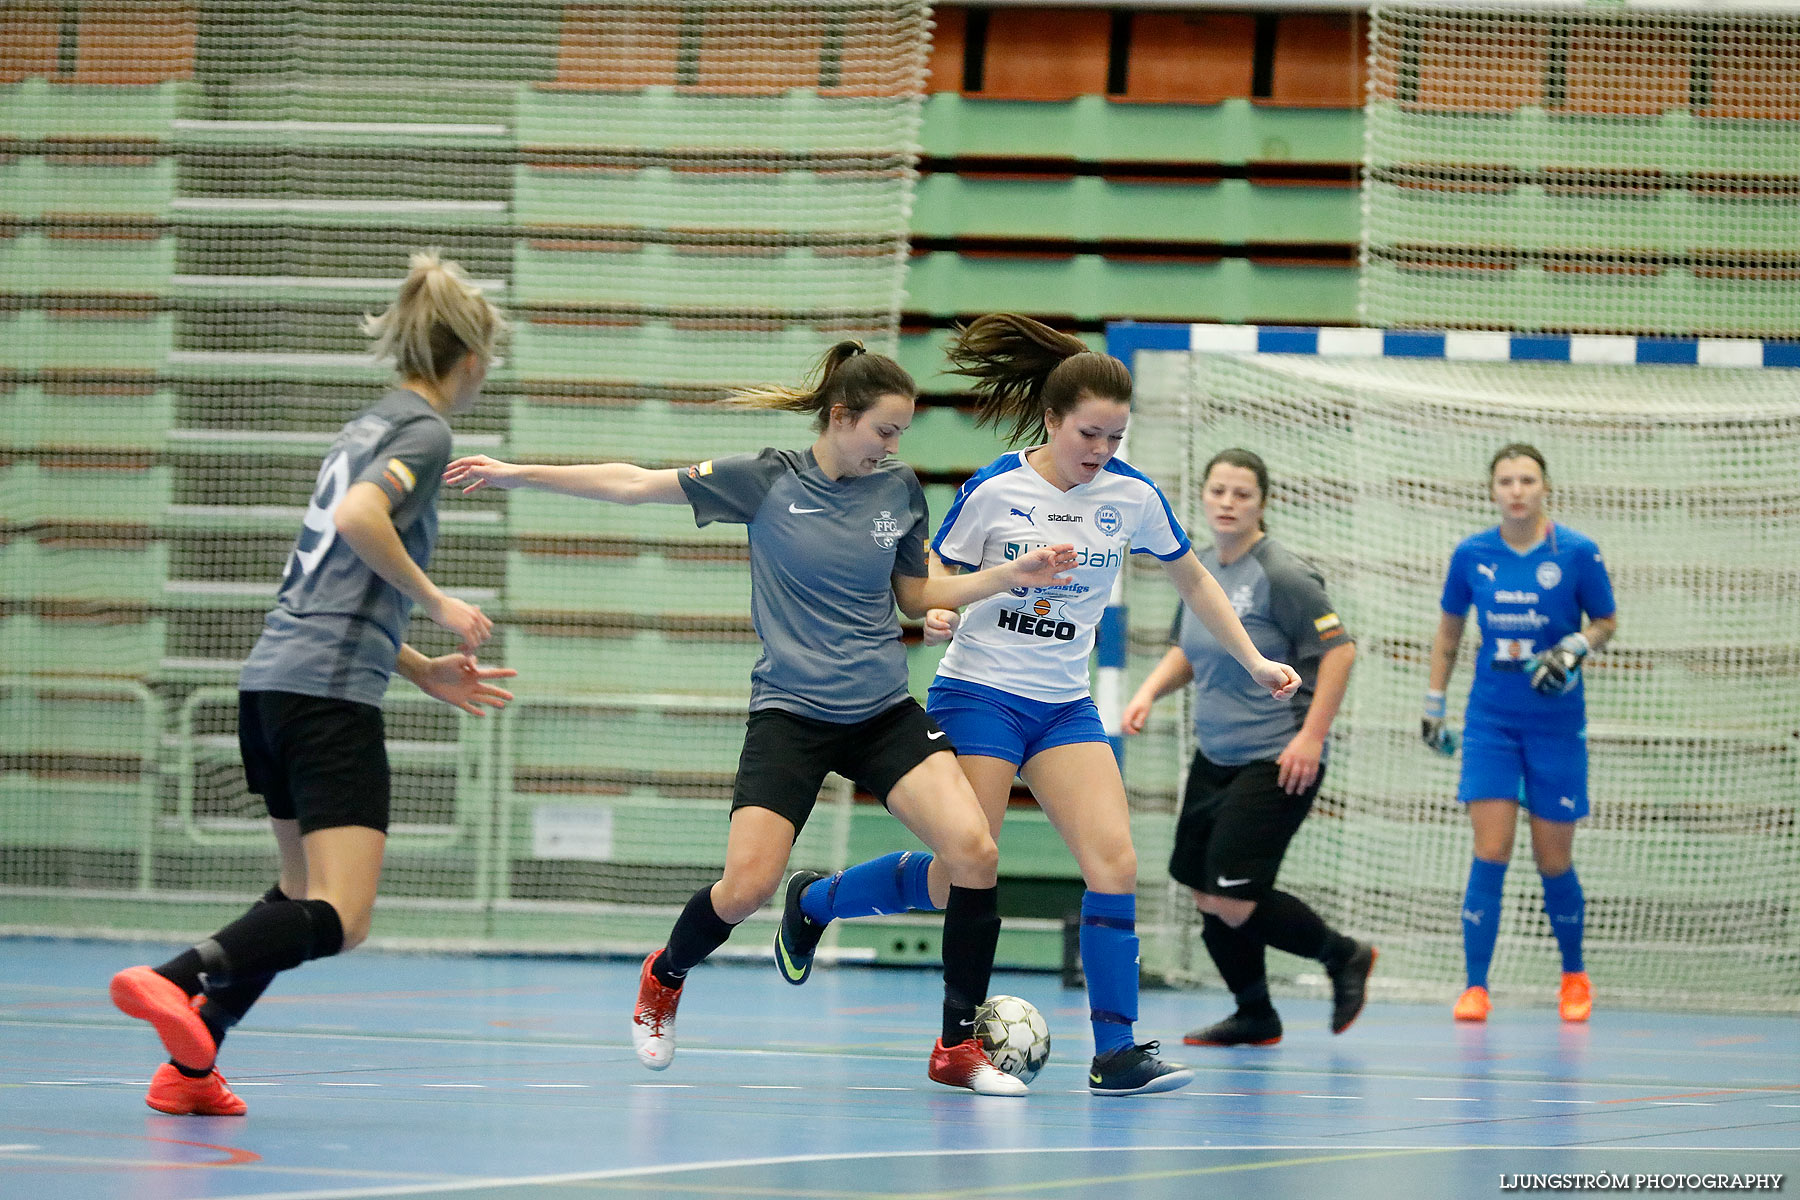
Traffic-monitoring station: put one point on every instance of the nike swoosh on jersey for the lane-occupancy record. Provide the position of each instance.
(934, 736)
(793, 509)
(1224, 882)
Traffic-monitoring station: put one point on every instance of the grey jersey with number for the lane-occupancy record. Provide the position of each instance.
(1281, 600)
(823, 553)
(336, 627)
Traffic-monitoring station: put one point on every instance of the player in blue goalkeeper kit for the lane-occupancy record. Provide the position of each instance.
(1530, 581)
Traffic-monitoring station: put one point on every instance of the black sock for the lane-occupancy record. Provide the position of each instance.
(1240, 962)
(267, 939)
(1286, 922)
(971, 931)
(190, 1072)
(225, 1006)
(699, 930)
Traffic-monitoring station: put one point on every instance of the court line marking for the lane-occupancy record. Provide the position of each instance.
(563, 1046)
(1339, 1154)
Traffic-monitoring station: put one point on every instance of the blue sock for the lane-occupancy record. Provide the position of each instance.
(1564, 905)
(893, 883)
(1481, 917)
(1109, 957)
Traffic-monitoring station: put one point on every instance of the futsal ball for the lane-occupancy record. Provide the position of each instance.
(1014, 1034)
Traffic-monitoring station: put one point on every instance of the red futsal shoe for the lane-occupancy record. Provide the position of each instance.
(966, 1065)
(178, 1094)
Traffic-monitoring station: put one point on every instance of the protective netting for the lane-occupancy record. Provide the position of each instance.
(1583, 169)
(197, 202)
(1685, 478)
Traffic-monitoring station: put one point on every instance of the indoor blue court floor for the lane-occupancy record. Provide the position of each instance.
(383, 1074)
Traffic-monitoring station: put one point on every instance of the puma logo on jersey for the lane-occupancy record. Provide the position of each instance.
(1026, 513)
(1486, 569)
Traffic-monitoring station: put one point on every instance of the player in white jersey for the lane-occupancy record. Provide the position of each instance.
(1012, 693)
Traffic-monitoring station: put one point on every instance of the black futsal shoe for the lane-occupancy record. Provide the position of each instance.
(1239, 1029)
(1135, 1071)
(798, 937)
(1350, 986)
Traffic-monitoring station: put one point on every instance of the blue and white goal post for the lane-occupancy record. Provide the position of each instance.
(1676, 455)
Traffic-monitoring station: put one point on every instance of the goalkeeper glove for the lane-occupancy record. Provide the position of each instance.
(1557, 670)
(1439, 736)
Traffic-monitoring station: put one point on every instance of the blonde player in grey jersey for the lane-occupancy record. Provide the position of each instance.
(309, 699)
(837, 534)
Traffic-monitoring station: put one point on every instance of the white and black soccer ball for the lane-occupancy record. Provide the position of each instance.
(1014, 1034)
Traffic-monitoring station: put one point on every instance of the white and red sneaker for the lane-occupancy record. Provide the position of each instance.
(966, 1065)
(653, 1020)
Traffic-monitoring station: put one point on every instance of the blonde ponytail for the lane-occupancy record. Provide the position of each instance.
(437, 318)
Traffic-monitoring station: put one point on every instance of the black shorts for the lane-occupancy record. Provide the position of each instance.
(319, 761)
(1235, 827)
(786, 757)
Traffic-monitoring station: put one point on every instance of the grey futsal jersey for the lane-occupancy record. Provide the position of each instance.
(337, 626)
(822, 556)
(1281, 600)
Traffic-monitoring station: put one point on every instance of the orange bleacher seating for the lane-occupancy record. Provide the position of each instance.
(1200, 58)
(1046, 53)
(1320, 61)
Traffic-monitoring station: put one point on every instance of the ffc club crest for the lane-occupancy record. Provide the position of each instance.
(1548, 574)
(886, 531)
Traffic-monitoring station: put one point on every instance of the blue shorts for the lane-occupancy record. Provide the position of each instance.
(1543, 769)
(986, 720)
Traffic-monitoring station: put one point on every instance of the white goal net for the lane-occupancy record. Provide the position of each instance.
(1685, 476)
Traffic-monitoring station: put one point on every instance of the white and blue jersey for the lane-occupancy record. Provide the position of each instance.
(1518, 743)
(1524, 604)
(1035, 642)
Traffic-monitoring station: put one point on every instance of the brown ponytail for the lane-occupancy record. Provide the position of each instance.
(1023, 369)
(847, 374)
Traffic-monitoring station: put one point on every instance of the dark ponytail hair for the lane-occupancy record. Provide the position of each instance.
(1518, 450)
(1250, 461)
(847, 374)
(1023, 369)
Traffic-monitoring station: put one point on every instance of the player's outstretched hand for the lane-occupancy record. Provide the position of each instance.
(477, 471)
(940, 625)
(461, 682)
(461, 618)
(1044, 566)
(1281, 679)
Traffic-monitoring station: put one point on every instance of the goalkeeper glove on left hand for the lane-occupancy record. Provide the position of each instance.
(1557, 670)
(1432, 728)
